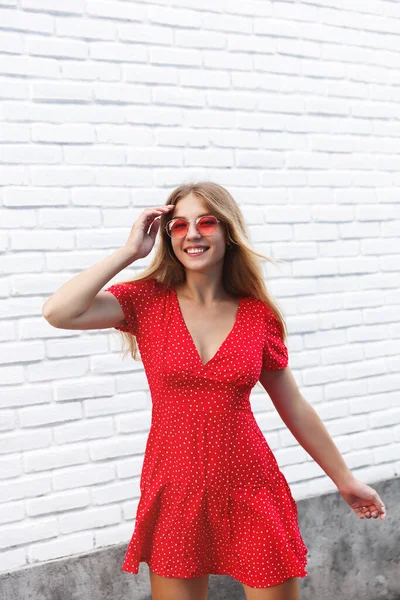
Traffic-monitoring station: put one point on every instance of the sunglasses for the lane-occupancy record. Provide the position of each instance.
(179, 227)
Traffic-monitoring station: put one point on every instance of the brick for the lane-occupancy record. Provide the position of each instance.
(58, 502)
(62, 92)
(66, 545)
(168, 56)
(151, 156)
(14, 132)
(145, 34)
(53, 458)
(121, 93)
(29, 66)
(203, 79)
(200, 39)
(8, 418)
(150, 74)
(44, 415)
(15, 558)
(87, 29)
(90, 70)
(226, 22)
(131, 11)
(203, 158)
(22, 441)
(31, 197)
(33, 154)
(129, 135)
(11, 43)
(41, 46)
(63, 134)
(13, 88)
(223, 60)
(26, 22)
(26, 533)
(182, 137)
(93, 155)
(22, 353)
(179, 97)
(62, 176)
(114, 51)
(73, 6)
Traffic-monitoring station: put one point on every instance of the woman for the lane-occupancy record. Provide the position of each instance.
(213, 499)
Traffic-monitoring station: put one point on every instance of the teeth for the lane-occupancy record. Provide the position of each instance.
(196, 251)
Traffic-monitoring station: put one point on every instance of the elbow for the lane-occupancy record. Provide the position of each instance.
(46, 312)
(50, 318)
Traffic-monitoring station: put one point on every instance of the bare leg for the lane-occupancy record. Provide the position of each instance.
(174, 588)
(288, 590)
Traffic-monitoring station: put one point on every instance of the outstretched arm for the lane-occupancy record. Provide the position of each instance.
(308, 429)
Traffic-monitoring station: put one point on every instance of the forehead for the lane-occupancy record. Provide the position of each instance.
(190, 207)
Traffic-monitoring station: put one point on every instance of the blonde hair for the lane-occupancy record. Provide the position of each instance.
(242, 272)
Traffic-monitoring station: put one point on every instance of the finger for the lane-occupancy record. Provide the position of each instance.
(153, 229)
(364, 512)
(378, 507)
(151, 215)
(150, 212)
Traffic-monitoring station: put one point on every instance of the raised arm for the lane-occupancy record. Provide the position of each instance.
(79, 303)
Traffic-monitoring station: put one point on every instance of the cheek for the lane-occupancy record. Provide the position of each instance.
(175, 246)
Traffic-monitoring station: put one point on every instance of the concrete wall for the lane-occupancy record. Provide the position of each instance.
(106, 106)
(348, 558)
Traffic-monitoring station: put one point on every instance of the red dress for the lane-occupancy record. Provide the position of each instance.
(213, 499)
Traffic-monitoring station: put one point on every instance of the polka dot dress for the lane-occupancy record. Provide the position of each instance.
(213, 499)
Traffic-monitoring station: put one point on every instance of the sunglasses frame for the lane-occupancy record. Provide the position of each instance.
(191, 221)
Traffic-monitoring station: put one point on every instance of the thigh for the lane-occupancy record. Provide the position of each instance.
(174, 588)
(288, 590)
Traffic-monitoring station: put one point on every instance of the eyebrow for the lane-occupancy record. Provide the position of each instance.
(203, 215)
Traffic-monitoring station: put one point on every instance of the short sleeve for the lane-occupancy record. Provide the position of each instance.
(133, 297)
(275, 353)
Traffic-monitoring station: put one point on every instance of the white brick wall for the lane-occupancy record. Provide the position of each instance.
(108, 105)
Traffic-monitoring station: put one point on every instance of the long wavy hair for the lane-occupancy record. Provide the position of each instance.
(242, 271)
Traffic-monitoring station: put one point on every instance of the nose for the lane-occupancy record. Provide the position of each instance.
(192, 231)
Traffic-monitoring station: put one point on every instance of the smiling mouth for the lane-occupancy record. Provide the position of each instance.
(196, 252)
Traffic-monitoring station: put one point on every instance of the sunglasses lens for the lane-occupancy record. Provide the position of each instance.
(205, 226)
(178, 228)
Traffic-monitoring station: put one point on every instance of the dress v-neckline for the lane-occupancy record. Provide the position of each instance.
(191, 337)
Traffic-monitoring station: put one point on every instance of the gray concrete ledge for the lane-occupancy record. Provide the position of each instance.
(349, 558)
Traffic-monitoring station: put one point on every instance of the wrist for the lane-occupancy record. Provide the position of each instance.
(127, 255)
(344, 480)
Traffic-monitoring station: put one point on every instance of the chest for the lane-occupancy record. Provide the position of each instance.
(207, 329)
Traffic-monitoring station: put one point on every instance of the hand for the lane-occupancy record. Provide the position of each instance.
(144, 230)
(363, 499)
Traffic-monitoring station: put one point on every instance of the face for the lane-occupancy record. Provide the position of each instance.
(191, 207)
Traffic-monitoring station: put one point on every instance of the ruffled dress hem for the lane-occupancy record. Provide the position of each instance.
(175, 519)
(300, 572)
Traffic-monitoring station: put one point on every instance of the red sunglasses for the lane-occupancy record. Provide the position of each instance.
(179, 227)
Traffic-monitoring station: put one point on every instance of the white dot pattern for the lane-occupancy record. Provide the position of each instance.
(213, 499)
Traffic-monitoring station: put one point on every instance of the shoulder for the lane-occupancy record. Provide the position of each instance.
(261, 307)
(271, 322)
(133, 292)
